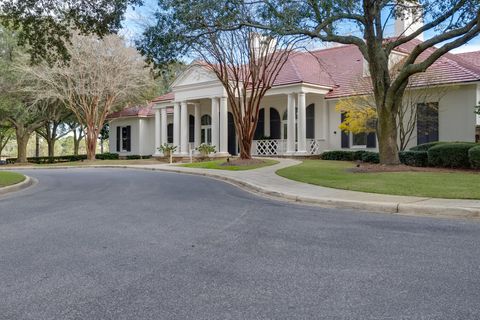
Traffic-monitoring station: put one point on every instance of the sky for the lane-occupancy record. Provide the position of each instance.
(136, 20)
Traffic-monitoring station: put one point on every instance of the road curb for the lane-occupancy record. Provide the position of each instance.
(400, 208)
(372, 206)
(17, 187)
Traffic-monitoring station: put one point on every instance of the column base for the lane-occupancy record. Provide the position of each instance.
(221, 154)
(301, 153)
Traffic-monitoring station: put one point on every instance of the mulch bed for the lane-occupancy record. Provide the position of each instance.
(242, 162)
(372, 168)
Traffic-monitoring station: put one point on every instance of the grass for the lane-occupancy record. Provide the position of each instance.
(217, 164)
(334, 174)
(8, 178)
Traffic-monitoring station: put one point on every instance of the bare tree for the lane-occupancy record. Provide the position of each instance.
(101, 76)
(78, 134)
(247, 63)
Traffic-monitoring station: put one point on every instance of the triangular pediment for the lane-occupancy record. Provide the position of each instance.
(195, 75)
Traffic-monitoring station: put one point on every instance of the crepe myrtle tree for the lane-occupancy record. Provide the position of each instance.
(101, 76)
(245, 60)
(446, 25)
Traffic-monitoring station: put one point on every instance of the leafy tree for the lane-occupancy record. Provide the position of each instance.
(101, 76)
(44, 27)
(55, 126)
(104, 134)
(359, 115)
(448, 25)
(6, 133)
(16, 106)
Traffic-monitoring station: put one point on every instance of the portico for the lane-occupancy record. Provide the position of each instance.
(188, 130)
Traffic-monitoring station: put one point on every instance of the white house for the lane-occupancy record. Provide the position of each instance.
(298, 114)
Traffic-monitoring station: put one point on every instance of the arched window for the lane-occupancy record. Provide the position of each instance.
(206, 127)
(206, 120)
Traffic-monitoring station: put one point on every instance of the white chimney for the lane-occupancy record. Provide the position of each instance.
(409, 19)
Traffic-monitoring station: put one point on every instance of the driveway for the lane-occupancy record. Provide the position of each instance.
(132, 244)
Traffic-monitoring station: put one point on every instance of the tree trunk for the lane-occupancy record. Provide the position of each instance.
(91, 142)
(387, 137)
(37, 145)
(51, 148)
(245, 149)
(22, 142)
(101, 146)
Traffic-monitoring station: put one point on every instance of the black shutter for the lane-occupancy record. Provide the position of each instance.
(118, 138)
(310, 121)
(371, 140)
(260, 129)
(191, 129)
(129, 136)
(345, 134)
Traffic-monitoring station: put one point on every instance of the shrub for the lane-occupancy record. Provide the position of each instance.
(107, 156)
(452, 155)
(371, 157)
(133, 157)
(426, 146)
(339, 155)
(474, 157)
(358, 155)
(414, 158)
(205, 149)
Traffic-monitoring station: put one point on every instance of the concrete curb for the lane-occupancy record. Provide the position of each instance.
(372, 206)
(28, 182)
(401, 208)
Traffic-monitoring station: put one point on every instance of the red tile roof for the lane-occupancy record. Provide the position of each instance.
(341, 69)
(166, 97)
(136, 111)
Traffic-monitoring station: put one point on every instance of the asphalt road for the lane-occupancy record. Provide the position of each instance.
(125, 244)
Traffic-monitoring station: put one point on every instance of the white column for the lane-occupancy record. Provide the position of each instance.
(198, 125)
(184, 129)
(176, 126)
(215, 119)
(266, 130)
(291, 124)
(302, 124)
(164, 125)
(223, 126)
(157, 132)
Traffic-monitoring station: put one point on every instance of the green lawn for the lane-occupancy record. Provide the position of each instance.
(217, 164)
(334, 174)
(8, 178)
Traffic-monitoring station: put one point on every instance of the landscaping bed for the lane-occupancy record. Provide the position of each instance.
(232, 164)
(8, 178)
(421, 182)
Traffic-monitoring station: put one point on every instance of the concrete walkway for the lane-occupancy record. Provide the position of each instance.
(266, 181)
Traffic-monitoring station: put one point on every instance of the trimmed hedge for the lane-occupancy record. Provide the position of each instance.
(426, 146)
(360, 155)
(474, 157)
(68, 158)
(338, 155)
(451, 155)
(414, 158)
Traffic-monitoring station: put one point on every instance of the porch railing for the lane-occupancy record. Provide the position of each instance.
(278, 147)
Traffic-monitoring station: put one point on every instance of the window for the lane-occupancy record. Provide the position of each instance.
(359, 139)
(427, 122)
(124, 137)
(170, 133)
(206, 129)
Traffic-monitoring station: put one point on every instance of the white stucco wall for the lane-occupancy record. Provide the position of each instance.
(135, 135)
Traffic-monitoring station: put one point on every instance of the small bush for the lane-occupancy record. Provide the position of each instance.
(133, 157)
(358, 155)
(371, 157)
(451, 155)
(474, 157)
(107, 156)
(147, 157)
(338, 155)
(426, 146)
(414, 158)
